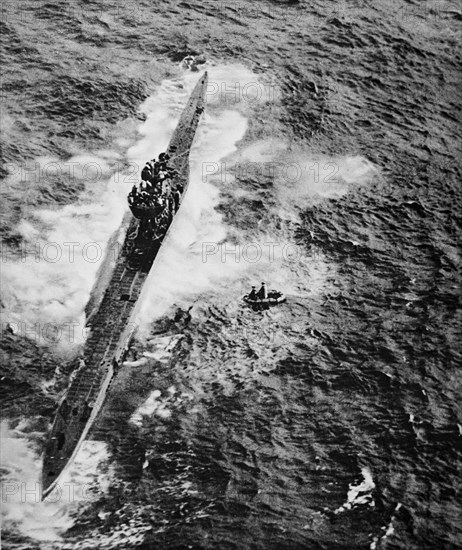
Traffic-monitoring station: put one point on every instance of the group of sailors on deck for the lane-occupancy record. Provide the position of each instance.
(153, 188)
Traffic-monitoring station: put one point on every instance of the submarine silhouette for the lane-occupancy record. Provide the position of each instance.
(112, 326)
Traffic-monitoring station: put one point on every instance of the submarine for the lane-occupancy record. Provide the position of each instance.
(113, 323)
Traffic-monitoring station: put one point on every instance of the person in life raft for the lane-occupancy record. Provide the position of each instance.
(262, 294)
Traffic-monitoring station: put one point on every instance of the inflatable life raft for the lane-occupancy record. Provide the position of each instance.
(274, 297)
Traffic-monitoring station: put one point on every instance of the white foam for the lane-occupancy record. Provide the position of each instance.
(300, 177)
(138, 363)
(308, 179)
(161, 347)
(389, 530)
(22, 492)
(23, 508)
(50, 285)
(359, 494)
(180, 270)
(151, 406)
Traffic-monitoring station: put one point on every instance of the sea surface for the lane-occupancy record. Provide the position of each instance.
(328, 164)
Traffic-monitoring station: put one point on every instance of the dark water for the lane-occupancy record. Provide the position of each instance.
(331, 422)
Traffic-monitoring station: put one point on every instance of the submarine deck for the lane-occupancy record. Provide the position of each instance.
(113, 324)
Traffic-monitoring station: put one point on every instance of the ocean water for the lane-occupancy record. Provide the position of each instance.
(327, 163)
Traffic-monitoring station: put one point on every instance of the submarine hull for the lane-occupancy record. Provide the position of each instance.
(113, 325)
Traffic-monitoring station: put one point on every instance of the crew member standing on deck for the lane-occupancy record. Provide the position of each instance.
(146, 173)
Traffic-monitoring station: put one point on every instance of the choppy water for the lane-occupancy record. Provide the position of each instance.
(328, 164)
